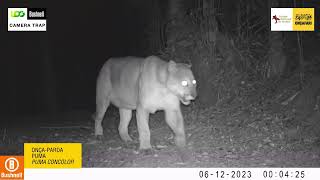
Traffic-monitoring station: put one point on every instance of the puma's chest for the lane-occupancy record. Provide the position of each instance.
(160, 99)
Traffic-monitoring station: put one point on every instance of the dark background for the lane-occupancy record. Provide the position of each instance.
(80, 37)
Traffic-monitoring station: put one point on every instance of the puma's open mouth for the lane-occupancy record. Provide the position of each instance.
(185, 102)
(186, 99)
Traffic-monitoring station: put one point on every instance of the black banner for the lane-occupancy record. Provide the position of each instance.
(36, 13)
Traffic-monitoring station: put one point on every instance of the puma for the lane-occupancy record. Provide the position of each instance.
(145, 85)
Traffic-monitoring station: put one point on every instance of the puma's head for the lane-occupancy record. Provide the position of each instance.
(181, 82)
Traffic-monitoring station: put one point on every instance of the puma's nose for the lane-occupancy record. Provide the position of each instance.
(194, 94)
(191, 96)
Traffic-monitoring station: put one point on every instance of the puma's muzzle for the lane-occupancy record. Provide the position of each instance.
(188, 97)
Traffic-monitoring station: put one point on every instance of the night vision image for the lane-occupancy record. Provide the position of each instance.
(163, 83)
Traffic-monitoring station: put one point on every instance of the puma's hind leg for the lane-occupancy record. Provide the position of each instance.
(103, 91)
(125, 118)
(101, 108)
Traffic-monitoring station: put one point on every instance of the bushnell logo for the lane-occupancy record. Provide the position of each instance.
(26, 19)
(18, 13)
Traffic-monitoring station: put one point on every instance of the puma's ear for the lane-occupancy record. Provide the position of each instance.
(172, 66)
(189, 65)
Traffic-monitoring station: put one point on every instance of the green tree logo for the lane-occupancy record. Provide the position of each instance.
(18, 13)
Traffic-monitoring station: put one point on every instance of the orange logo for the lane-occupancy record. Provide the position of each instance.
(11, 167)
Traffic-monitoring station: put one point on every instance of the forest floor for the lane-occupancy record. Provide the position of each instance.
(269, 124)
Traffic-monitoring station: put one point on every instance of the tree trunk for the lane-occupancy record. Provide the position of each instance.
(176, 9)
(175, 21)
(205, 66)
(49, 79)
(277, 58)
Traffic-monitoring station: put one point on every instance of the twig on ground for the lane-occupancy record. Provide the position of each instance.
(65, 127)
(286, 102)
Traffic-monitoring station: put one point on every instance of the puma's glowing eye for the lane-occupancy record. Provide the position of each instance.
(194, 82)
(184, 83)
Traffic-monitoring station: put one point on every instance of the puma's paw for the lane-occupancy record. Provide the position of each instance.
(126, 138)
(185, 155)
(147, 152)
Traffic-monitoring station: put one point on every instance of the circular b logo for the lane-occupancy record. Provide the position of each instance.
(11, 164)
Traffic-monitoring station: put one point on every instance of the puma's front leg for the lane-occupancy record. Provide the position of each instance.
(125, 118)
(143, 128)
(175, 121)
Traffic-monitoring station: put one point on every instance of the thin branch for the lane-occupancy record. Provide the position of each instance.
(301, 60)
(65, 127)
